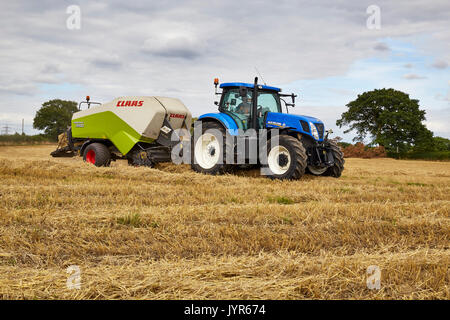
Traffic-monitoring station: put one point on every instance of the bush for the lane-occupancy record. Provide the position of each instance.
(441, 144)
(433, 155)
(344, 144)
(359, 150)
(20, 139)
(437, 149)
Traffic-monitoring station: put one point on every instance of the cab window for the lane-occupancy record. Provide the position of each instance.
(267, 102)
(238, 107)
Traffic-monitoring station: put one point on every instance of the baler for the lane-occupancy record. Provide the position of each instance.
(138, 128)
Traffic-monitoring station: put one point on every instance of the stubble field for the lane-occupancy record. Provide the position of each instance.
(170, 233)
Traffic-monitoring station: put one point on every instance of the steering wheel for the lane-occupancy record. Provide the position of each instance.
(240, 109)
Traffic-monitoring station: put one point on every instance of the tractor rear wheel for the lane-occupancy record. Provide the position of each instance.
(208, 150)
(336, 169)
(287, 159)
(97, 154)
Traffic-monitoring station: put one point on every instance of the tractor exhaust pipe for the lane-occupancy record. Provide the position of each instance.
(255, 104)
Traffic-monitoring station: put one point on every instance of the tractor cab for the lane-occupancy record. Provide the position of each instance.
(238, 101)
(255, 106)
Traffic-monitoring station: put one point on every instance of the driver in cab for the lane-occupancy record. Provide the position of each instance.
(245, 106)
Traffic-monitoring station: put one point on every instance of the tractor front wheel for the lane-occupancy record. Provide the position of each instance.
(336, 169)
(287, 159)
(98, 154)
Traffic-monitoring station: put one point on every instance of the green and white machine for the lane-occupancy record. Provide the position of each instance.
(138, 128)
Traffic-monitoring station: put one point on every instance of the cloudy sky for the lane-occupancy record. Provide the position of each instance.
(323, 51)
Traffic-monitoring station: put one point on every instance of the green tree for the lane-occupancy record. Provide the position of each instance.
(437, 144)
(441, 144)
(389, 117)
(54, 117)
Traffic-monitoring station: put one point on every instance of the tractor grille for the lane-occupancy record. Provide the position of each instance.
(305, 125)
(320, 128)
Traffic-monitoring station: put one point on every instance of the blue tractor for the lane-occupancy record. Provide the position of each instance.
(302, 144)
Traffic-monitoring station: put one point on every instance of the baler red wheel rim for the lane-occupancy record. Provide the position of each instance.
(90, 156)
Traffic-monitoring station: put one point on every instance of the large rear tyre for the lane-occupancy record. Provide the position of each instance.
(287, 159)
(98, 154)
(338, 166)
(208, 150)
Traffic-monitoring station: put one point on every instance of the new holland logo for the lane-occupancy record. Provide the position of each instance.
(135, 103)
(275, 123)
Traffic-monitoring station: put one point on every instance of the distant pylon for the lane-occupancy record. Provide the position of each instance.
(5, 129)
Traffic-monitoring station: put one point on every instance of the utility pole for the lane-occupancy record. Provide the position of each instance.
(22, 125)
(5, 129)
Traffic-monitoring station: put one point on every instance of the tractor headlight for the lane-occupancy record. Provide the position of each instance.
(314, 131)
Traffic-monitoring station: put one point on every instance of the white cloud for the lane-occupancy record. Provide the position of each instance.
(440, 64)
(381, 47)
(413, 76)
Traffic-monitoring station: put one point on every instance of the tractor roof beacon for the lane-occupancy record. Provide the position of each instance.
(137, 128)
(300, 144)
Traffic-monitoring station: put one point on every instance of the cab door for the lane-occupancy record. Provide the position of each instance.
(238, 104)
(267, 102)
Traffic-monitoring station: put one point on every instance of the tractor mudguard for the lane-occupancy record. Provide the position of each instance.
(224, 119)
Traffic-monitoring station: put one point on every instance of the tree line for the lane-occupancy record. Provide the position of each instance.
(389, 118)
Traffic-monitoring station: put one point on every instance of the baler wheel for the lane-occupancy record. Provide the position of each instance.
(98, 154)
